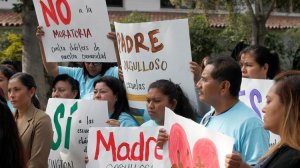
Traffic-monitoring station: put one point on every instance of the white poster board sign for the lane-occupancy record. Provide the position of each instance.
(112, 147)
(75, 30)
(155, 50)
(253, 93)
(192, 145)
(71, 120)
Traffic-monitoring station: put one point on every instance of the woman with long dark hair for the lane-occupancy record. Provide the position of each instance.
(164, 93)
(34, 125)
(112, 90)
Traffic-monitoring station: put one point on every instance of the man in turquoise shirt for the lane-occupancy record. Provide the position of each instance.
(219, 87)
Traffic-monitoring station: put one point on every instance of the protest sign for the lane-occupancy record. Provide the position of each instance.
(75, 30)
(253, 93)
(71, 119)
(192, 145)
(113, 147)
(152, 51)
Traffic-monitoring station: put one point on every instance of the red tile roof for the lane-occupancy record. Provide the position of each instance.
(10, 18)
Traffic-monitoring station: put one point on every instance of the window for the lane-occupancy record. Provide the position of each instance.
(114, 3)
(166, 4)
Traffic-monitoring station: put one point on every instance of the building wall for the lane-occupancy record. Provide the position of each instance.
(8, 4)
(142, 5)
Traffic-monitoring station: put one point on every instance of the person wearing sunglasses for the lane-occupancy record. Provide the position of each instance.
(86, 75)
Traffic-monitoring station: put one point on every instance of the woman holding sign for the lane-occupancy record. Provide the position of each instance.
(34, 125)
(282, 117)
(257, 62)
(112, 90)
(164, 93)
(86, 75)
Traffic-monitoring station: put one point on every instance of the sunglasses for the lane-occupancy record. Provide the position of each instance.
(94, 63)
(206, 119)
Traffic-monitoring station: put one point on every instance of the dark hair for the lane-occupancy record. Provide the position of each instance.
(73, 82)
(105, 67)
(14, 65)
(226, 68)
(10, 143)
(2, 97)
(7, 72)
(28, 81)
(174, 91)
(237, 49)
(118, 89)
(264, 56)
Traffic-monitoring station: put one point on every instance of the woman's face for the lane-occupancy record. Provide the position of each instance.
(251, 69)
(19, 95)
(103, 92)
(274, 111)
(93, 68)
(3, 83)
(63, 89)
(156, 103)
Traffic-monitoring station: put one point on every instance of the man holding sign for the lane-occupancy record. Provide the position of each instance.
(219, 86)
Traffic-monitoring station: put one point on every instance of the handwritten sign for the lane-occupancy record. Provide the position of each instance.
(253, 93)
(192, 145)
(71, 120)
(152, 51)
(111, 147)
(75, 30)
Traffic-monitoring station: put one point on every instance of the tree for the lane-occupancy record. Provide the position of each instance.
(10, 47)
(31, 59)
(258, 10)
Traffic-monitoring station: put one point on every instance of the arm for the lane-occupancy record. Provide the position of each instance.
(112, 36)
(196, 70)
(51, 67)
(41, 143)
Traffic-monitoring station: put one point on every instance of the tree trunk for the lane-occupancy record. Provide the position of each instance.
(31, 59)
(259, 31)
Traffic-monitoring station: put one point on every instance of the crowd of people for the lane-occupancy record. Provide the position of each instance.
(26, 131)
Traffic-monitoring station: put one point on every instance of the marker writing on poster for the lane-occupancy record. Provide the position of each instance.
(254, 94)
(52, 11)
(143, 66)
(126, 44)
(60, 113)
(128, 152)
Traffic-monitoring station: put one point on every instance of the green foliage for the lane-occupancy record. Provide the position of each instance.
(287, 45)
(135, 17)
(11, 47)
(203, 38)
(239, 29)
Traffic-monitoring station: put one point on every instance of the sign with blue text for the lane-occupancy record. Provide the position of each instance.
(253, 93)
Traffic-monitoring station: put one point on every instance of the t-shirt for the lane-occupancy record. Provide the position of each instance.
(251, 140)
(86, 84)
(126, 120)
